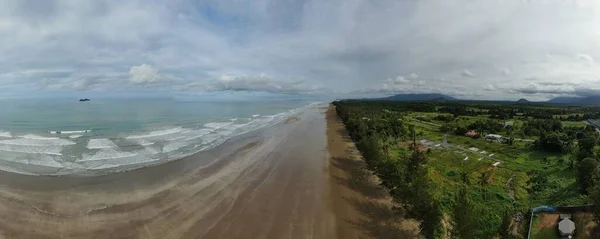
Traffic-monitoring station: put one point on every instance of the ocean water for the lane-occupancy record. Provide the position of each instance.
(65, 137)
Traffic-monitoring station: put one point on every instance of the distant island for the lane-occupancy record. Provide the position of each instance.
(86, 99)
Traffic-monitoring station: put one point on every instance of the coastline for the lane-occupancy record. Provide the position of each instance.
(300, 179)
(270, 183)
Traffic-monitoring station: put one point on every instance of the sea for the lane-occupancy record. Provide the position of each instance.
(68, 137)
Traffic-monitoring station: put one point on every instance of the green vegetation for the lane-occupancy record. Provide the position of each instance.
(545, 158)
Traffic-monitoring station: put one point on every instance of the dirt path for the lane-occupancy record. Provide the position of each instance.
(361, 207)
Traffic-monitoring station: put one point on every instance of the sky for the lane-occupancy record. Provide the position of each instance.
(493, 49)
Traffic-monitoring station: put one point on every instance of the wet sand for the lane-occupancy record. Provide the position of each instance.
(272, 183)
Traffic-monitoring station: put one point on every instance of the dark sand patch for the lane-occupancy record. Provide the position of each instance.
(291, 120)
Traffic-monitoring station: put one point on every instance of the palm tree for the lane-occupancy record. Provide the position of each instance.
(464, 176)
(483, 181)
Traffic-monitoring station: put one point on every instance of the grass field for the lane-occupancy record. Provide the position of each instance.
(447, 167)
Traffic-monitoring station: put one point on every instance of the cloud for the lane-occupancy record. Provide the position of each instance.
(84, 84)
(413, 76)
(587, 58)
(144, 74)
(398, 80)
(261, 83)
(467, 73)
(506, 72)
(447, 46)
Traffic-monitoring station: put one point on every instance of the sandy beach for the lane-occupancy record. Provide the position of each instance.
(297, 179)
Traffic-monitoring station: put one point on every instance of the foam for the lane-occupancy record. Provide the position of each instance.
(156, 134)
(115, 159)
(144, 142)
(175, 137)
(197, 134)
(5, 134)
(209, 138)
(37, 141)
(71, 132)
(45, 160)
(217, 125)
(33, 136)
(100, 144)
(51, 149)
(234, 127)
(40, 155)
(173, 146)
(106, 154)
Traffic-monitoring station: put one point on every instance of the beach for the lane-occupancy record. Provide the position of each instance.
(286, 181)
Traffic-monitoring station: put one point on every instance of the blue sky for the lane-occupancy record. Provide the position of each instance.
(496, 49)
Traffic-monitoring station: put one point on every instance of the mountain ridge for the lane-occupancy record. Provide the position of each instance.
(589, 100)
(419, 97)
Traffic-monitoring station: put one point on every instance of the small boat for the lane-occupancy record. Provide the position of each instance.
(86, 99)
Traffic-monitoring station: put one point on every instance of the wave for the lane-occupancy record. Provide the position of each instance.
(51, 150)
(195, 134)
(34, 136)
(5, 134)
(157, 133)
(71, 132)
(106, 154)
(100, 144)
(217, 125)
(144, 142)
(43, 155)
(37, 141)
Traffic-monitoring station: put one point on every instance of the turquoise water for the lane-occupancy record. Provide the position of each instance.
(58, 137)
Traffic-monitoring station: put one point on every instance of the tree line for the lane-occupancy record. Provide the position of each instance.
(374, 127)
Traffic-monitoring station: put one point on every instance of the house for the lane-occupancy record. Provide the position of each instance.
(471, 134)
(566, 227)
(494, 138)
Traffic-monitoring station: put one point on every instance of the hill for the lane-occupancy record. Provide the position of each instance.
(419, 97)
(522, 101)
(589, 100)
(565, 100)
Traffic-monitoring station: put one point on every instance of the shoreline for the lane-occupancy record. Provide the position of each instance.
(298, 179)
(123, 152)
(267, 184)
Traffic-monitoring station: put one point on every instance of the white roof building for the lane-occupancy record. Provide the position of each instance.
(566, 227)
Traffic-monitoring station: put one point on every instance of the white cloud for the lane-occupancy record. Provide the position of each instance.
(413, 76)
(467, 73)
(506, 72)
(145, 74)
(260, 83)
(84, 84)
(397, 80)
(344, 45)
